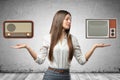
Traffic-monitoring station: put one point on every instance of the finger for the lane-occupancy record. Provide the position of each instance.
(105, 45)
(17, 44)
(15, 47)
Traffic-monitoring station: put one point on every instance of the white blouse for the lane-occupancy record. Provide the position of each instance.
(60, 53)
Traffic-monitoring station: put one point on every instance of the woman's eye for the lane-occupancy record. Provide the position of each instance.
(67, 19)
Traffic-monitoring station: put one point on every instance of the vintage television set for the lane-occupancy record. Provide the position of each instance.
(18, 29)
(100, 28)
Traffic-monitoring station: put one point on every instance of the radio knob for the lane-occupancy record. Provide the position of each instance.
(8, 34)
(28, 34)
(112, 30)
(112, 34)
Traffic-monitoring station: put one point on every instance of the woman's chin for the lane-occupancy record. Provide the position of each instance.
(67, 28)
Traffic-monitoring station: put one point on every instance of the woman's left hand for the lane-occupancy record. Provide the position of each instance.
(101, 45)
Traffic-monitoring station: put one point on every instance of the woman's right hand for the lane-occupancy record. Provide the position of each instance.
(19, 46)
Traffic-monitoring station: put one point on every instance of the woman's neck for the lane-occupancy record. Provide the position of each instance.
(63, 35)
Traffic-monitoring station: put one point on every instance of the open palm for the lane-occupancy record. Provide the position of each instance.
(102, 45)
(19, 46)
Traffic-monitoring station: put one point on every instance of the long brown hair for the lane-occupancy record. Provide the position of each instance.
(56, 31)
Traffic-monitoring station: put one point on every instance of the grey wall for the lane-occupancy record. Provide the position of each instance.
(41, 12)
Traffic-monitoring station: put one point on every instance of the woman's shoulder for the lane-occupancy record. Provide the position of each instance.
(74, 40)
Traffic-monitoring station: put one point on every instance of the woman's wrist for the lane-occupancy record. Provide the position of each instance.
(95, 46)
(26, 46)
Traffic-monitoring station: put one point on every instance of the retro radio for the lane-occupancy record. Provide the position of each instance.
(101, 28)
(18, 29)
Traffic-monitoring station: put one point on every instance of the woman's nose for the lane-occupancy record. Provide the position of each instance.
(69, 21)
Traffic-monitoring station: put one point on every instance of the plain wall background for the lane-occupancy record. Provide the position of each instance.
(41, 12)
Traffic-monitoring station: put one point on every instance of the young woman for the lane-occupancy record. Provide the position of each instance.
(60, 46)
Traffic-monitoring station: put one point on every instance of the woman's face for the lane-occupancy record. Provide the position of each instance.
(67, 22)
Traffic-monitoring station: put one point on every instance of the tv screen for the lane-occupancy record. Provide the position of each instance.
(97, 28)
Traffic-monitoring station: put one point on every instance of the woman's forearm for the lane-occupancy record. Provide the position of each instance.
(32, 53)
(90, 52)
